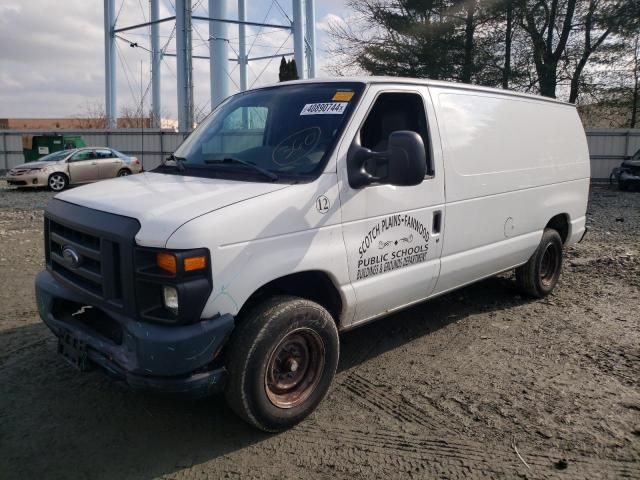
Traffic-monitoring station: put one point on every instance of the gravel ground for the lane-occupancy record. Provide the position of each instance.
(480, 383)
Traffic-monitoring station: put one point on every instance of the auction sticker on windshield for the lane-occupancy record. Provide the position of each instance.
(336, 108)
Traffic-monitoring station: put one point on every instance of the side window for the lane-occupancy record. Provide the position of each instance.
(104, 153)
(392, 112)
(83, 155)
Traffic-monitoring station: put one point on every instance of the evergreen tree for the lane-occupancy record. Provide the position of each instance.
(287, 70)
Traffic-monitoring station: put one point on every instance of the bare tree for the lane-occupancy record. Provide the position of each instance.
(91, 115)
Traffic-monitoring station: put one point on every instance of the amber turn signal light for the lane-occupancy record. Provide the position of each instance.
(195, 263)
(167, 262)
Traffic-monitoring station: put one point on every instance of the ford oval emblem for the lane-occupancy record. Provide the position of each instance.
(71, 257)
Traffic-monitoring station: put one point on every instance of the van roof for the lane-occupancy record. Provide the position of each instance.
(427, 82)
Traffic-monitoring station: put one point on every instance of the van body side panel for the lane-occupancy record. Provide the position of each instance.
(265, 238)
(495, 144)
(511, 165)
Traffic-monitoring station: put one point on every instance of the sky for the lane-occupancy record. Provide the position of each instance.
(52, 53)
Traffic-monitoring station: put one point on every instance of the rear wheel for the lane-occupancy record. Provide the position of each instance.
(540, 274)
(281, 361)
(124, 173)
(57, 182)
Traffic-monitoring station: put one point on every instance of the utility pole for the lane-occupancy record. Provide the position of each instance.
(156, 59)
(298, 37)
(110, 64)
(184, 67)
(242, 44)
(218, 52)
(311, 36)
(141, 116)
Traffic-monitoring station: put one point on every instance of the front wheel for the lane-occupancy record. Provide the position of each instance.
(281, 361)
(539, 276)
(57, 182)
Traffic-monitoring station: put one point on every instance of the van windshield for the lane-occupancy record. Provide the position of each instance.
(287, 131)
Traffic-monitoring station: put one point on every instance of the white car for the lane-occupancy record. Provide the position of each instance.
(300, 210)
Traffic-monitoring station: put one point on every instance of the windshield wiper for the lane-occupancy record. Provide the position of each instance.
(178, 162)
(267, 173)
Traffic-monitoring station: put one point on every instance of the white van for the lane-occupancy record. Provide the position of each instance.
(299, 210)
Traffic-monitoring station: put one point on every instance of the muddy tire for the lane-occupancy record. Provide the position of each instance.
(281, 361)
(57, 182)
(538, 277)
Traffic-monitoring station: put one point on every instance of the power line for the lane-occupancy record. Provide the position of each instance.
(126, 74)
(142, 10)
(169, 67)
(118, 14)
(132, 44)
(282, 10)
(270, 60)
(260, 29)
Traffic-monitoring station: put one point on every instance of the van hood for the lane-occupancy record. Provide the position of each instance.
(161, 202)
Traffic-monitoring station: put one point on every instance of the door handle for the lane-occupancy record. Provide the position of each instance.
(94, 163)
(437, 222)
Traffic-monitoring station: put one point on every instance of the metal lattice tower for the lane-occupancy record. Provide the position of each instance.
(302, 26)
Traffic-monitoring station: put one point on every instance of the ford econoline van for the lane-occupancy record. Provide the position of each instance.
(297, 211)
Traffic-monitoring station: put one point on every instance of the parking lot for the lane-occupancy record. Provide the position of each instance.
(479, 383)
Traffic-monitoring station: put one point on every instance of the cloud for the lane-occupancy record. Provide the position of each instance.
(52, 58)
(328, 20)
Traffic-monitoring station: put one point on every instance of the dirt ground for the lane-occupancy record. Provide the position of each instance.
(481, 383)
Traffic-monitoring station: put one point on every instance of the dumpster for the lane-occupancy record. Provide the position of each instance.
(36, 146)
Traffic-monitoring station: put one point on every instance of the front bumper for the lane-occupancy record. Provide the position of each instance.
(27, 180)
(172, 359)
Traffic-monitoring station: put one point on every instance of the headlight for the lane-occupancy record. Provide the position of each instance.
(170, 295)
(172, 286)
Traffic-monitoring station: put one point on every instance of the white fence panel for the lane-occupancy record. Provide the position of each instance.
(607, 148)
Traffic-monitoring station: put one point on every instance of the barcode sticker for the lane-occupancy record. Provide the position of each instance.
(335, 108)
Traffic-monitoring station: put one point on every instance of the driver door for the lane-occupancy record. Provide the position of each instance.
(393, 234)
(83, 166)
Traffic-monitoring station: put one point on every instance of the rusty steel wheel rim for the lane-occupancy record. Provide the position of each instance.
(294, 368)
(549, 265)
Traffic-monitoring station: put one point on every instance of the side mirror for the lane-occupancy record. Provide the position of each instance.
(405, 157)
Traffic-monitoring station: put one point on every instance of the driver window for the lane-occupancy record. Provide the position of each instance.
(392, 112)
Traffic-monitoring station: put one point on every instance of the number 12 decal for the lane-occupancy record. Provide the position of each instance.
(322, 204)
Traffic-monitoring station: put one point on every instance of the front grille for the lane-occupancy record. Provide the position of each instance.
(98, 263)
(17, 172)
(95, 254)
